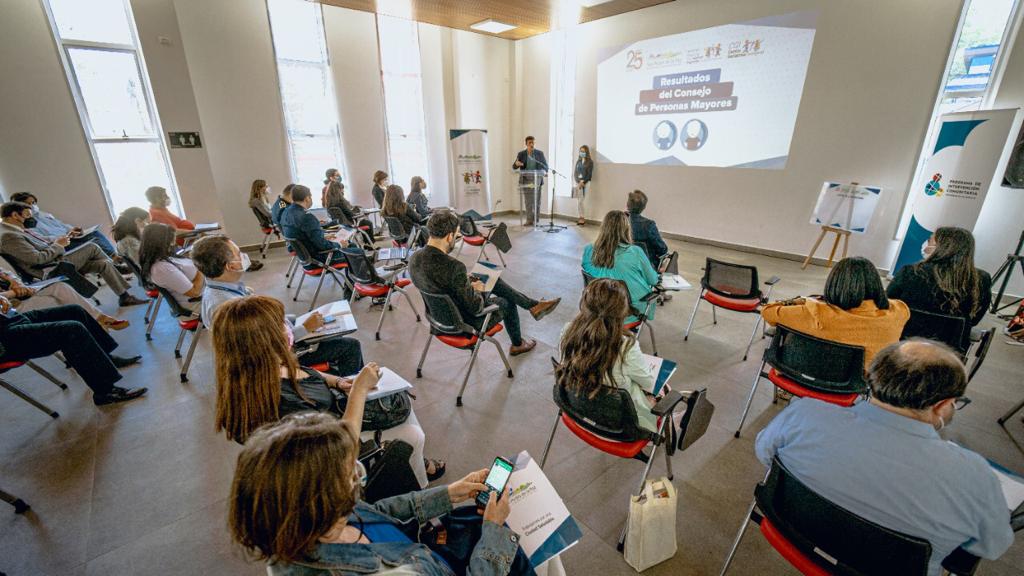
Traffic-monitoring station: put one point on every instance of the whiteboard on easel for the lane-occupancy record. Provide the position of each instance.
(846, 206)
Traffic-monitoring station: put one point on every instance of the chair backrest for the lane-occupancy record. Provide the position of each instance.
(818, 364)
(360, 267)
(302, 252)
(587, 278)
(500, 239)
(946, 329)
(845, 543)
(137, 270)
(696, 419)
(17, 269)
(468, 226)
(395, 229)
(610, 413)
(262, 218)
(176, 309)
(443, 315)
(669, 263)
(730, 280)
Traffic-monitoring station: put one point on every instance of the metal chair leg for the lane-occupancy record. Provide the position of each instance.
(501, 258)
(1016, 408)
(152, 317)
(47, 375)
(316, 293)
(469, 369)
(291, 270)
(191, 351)
(302, 278)
(654, 344)
(501, 352)
(750, 399)
(423, 356)
(751, 341)
(177, 347)
(714, 314)
(383, 311)
(263, 247)
(551, 438)
(24, 396)
(149, 308)
(409, 300)
(693, 315)
(739, 537)
(20, 506)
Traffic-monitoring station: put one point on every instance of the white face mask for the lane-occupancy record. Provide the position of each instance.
(243, 258)
(35, 209)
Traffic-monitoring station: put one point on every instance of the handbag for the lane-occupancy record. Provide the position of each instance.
(388, 472)
(382, 413)
(651, 528)
(1015, 329)
(455, 535)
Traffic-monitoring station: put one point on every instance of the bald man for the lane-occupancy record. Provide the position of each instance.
(883, 458)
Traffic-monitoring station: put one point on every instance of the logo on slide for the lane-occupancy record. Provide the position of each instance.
(664, 135)
(634, 59)
(695, 134)
(934, 187)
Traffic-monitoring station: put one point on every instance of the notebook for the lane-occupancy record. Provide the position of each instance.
(487, 273)
(392, 254)
(344, 321)
(674, 282)
(388, 384)
(664, 369)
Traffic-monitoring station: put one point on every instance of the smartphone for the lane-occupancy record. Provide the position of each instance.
(329, 319)
(497, 480)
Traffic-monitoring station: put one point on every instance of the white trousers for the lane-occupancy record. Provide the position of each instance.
(59, 294)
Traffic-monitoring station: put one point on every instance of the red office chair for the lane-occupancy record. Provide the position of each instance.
(820, 538)
(368, 282)
(151, 292)
(608, 422)
(189, 323)
(328, 264)
(399, 237)
(8, 365)
(447, 325)
(473, 236)
(732, 287)
(642, 318)
(809, 367)
(268, 229)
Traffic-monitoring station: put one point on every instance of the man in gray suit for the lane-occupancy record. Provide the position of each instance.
(33, 252)
(533, 161)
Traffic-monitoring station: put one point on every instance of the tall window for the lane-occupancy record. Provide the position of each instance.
(563, 95)
(307, 91)
(100, 51)
(402, 79)
(973, 64)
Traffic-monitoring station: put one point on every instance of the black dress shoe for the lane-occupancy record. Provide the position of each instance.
(118, 394)
(124, 362)
(129, 299)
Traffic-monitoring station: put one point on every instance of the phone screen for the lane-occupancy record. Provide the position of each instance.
(329, 319)
(496, 479)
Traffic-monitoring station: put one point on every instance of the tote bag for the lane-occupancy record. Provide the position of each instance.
(651, 528)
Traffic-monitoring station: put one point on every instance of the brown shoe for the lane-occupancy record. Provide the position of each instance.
(543, 308)
(527, 345)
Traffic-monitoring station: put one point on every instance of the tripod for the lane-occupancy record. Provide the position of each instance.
(551, 227)
(1005, 271)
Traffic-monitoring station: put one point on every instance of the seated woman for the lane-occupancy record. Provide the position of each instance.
(613, 255)
(341, 210)
(295, 502)
(128, 232)
(417, 199)
(26, 299)
(395, 206)
(331, 175)
(854, 310)
(259, 380)
(178, 276)
(597, 352)
(946, 281)
(380, 184)
(259, 198)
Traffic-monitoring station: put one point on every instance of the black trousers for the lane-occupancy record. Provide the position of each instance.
(508, 299)
(344, 354)
(70, 330)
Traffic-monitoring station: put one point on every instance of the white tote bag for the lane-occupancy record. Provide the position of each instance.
(651, 528)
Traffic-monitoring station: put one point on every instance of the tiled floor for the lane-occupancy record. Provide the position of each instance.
(141, 488)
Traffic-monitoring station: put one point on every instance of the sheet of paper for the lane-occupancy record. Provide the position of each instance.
(1013, 488)
(389, 383)
(392, 254)
(674, 282)
(344, 321)
(90, 230)
(662, 369)
(487, 273)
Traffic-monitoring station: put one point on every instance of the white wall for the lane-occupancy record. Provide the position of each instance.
(871, 81)
(433, 59)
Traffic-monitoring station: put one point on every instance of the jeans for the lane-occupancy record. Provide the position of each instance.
(344, 354)
(96, 238)
(508, 299)
(72, 331)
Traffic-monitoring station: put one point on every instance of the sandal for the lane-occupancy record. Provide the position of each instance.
(439, 468)
(113, 323)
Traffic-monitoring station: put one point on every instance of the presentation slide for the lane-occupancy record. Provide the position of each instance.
(726, 96)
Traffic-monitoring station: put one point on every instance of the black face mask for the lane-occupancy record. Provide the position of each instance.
(29, 223)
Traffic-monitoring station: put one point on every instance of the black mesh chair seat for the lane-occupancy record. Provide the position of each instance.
(367, 282)
(950, 330)
(320, 265)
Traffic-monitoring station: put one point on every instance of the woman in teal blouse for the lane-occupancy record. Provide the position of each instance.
(613, 255)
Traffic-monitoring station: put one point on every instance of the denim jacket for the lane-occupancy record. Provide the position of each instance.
(492, 555)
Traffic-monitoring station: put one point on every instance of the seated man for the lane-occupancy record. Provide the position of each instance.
(158, 212)
(71, 331)
(283, 201)
(433, 270)
(49, 225)
(298, 224)
(644, 230)
(32, 252)
(884, 460)
(223, 264)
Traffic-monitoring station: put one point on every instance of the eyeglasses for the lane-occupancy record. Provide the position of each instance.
(960, 402)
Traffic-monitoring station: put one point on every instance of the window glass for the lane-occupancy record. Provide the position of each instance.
(92, 20)
(129, 168)
(312, 155)
(295, 23)
(308, 105)
(403, 99)
(115, 99)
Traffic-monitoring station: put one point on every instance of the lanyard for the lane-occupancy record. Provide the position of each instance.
(226, 289)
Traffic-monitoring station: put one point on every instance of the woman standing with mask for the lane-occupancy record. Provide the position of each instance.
(583, 174)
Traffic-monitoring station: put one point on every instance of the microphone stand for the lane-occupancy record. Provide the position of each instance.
(551, 227)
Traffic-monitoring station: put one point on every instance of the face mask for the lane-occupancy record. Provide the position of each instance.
(35, 210)
(942, 423)
(245, 261)
(583, 154)
(29, 223)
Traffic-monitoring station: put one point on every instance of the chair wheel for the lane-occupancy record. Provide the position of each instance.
(685, 338)
(20, 506)
(458, 401)
(177, 354)
(736, 434)
(377, 336)
(54, 415)
(744, 357)
(148, 337)
(509, 373)
(184, 378)
(620, 546)
(417, 317)
(419, 373)
(296, 299)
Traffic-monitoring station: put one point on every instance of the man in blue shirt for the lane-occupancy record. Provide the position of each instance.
(644, 230)
(283, 201)
(884, 460)
(49, 225)
(298, 224)
(223, 264)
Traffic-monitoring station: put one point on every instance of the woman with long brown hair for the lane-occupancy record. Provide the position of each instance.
(395, 206)
(380, 183)
(417, 199)
(597, 352)
(613, 255)
(946, 281)
(259, 380)
(259, 197)
(583, 174)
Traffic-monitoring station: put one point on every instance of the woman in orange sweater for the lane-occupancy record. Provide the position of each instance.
(854, 310)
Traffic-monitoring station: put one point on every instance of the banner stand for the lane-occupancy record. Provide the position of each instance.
(472, 182)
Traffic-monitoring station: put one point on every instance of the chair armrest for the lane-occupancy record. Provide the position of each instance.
(667, 403)
(977, 334)
(654, 293)
(772, 281)
(961, 562)
(490, 308)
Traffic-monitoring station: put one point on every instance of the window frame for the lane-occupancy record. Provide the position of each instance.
(64, 48)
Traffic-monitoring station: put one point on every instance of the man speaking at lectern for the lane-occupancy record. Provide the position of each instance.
(530, 159)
